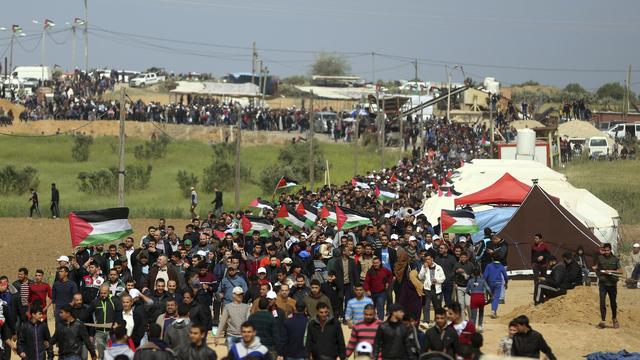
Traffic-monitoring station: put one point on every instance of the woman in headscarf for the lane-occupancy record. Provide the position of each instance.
(406, 292)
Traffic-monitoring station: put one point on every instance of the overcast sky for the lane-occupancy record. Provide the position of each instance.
(553, 42)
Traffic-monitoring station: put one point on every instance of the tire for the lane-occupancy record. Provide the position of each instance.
(142, 85)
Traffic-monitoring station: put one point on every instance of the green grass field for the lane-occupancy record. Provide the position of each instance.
(615, 183)
(51, 156)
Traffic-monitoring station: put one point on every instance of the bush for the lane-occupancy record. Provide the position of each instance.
(221, 172)
(81, 146)
(153, 149)
(105, 181)
(186, 181)
(14, 181)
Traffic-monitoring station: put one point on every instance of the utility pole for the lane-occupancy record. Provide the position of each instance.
(13, 35)
(415, 71)
(491, 125)
(253, 69)
(264, 85)
(382, 131)
(86, 38)
(627, 97)
(446, 68)
(44, 34)
(312, 121)
(238, 142)
(261, 77)
(373, 67)
(73, 47)
(357, 150)
(121, 165)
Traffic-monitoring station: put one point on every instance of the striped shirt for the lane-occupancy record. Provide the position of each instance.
(362, 331)
(355, 309)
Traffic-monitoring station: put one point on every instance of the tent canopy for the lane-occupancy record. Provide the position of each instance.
(560, 229)
(209, 88)
(506, 190)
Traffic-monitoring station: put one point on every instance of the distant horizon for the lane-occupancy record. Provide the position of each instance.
(586, 42)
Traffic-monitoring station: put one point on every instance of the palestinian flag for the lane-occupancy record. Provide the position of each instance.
(252, 223)
(329, 214)
(359, 184)
(285, 183)
(348, 218)
(308, 212)
(16, 28)
(435, 184)
(99, 226)
(258, 206)
(48, 23)
(458, 222)
(383, 194)
(288, 216)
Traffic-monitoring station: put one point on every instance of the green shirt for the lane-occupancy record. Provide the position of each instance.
(608, 263)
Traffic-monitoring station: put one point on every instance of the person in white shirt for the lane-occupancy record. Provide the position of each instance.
(432, 277)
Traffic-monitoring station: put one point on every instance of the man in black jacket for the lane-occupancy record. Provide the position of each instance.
(394, 338)
(528, 342)
(55, 201)
(70, 335)
(197, 348)
(34, 337)
(574, 272)
(441, 337)
(346, 275)
(106, 310)
(554, 285)
(448, 264)
(324, 336)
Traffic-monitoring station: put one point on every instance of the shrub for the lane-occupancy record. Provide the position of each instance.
(293, 161)
(221, 172)
(81, 146)
(185, 181)
(153, 149)
(15, 181)
(105, 181)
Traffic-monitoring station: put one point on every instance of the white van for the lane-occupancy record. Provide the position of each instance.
(22, 73)
(598, 147)
(621, 130)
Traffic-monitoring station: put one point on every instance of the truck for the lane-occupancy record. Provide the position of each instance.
(30, 73)
(620, 131)
(598, 147)
(145, 79)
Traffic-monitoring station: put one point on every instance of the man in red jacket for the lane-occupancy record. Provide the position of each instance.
(376, 282)
(464, 328)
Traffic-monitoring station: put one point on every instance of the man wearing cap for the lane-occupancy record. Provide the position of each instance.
(229, 283)
(233, 315)
(363, 351)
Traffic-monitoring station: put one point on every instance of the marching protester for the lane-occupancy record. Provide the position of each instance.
(608, 268)
(393, 338)
(324, 335)
(365, 330)
(527, 342)
(496, 277)
(441, 337)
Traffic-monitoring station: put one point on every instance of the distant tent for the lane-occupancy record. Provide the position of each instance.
(539, 213)
(506, 190)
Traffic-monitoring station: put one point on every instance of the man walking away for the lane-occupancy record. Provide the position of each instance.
(120, 347)
(393, 339)
(217, 203)
(294, 334)
(194, 203)
(496, 276)
(609, 271)
(70, 336)
(250, 346)
(35, 204)
(324, 335)
(55, 202)
(529, 343)
(177, 334)
(197, 348)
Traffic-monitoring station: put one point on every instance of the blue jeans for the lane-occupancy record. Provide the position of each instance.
(70, 357)
(496, 290)
(379, 300)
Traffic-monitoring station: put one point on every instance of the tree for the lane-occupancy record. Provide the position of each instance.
(80, 149)
(221, 173)
(574, 88)
(330, 64)
(295, 80)
(293, 162)
(611, 90)
(529, 83)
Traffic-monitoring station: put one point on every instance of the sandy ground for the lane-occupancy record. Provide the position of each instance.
(568, 323)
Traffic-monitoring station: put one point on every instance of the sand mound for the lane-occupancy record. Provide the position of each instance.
(581, 129)
(579, 306)
(522, 124)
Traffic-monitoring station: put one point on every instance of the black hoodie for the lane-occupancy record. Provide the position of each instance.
(325, 342)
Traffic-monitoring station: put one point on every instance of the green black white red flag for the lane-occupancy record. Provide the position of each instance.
(348, 218)
(287, 216)
(285, 183)
(99, 226)
(250, 223)
(458, 222)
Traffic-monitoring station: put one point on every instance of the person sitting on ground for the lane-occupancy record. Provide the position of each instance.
(553, 285)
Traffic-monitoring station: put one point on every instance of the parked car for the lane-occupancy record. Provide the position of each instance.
(146, 79)
(621, 131)
(324, 121)
(598, 147)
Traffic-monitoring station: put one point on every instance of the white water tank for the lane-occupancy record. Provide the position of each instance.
(526, 144)
(491, 85)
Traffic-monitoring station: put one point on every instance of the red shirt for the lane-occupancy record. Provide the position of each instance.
(39, 291)
(376, 280)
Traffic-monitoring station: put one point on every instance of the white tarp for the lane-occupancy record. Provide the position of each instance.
(338, 93)
(211, 88)
(472, 177)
